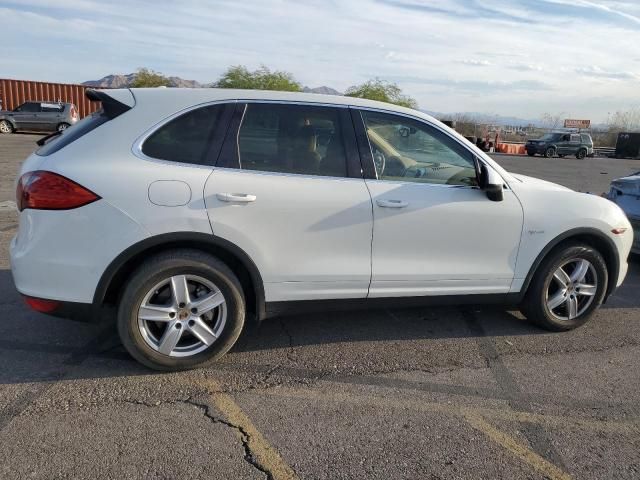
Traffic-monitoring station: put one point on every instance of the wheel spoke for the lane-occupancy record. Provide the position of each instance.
(170, 338)
(586, 290)
(209, 302)
(557, 300)
(202, 331)
(561, 277)
(580, 271)
(180, 289)
(572, 307)
(156, 313)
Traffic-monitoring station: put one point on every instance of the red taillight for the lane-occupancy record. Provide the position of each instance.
(42, 305)
(44, 190)
(74, 112)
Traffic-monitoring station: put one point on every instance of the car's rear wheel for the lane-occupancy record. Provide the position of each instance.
(567, 288)
(549, 152)
(181, 309)
(581, 154)
(62, 126)
(5, 126)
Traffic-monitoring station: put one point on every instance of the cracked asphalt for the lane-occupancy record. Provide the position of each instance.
(429, 393)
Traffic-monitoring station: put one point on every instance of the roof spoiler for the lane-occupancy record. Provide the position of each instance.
(112, 107)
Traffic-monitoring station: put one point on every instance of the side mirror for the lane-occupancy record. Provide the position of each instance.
(491, 183)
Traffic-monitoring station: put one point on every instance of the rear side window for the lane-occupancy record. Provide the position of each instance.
(52, 107)
(586, 139)
(298, 139)
(186, 138)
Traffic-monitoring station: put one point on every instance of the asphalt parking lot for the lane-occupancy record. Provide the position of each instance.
(405, 394)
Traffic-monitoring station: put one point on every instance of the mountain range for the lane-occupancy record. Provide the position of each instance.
(123, 81)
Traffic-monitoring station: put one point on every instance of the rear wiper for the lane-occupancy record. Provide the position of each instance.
(44, 140)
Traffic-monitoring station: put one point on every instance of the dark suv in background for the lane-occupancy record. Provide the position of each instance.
(561, 144)
(39, 116)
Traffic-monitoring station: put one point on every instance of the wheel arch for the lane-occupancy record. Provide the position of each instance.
(111, 282)
(590, 236)
(10, 120)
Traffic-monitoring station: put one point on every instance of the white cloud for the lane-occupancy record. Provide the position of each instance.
(444, 45)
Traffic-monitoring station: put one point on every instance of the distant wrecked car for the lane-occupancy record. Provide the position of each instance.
(625, 192)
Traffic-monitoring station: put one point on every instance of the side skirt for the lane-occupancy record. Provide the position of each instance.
(274, 309)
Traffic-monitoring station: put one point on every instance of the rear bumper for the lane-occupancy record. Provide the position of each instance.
(61, 255)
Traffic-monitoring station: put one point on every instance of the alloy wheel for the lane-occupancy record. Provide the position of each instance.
(182, 316)
(5, 127)
(572, 289)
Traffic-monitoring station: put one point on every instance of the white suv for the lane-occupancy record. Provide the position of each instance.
(195, 210)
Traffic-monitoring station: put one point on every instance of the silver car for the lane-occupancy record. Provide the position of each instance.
(39, 116)
(625, 192)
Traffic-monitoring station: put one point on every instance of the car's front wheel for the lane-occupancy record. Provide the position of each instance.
(181, 309)
(567, 288)
(5, 126)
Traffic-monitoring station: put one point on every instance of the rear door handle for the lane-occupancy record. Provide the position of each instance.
(236, 197)
(392, 203)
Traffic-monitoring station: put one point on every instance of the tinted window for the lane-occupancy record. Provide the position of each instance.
(585, 138)
(185, 138)
(292, 139)
(575, 138)
(408, 150)
(52, 107)
(71, 134)
(29, 107)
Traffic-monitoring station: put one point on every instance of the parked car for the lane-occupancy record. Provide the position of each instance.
(39, 116)
(625, 192)
(226, 208)
(561, 144)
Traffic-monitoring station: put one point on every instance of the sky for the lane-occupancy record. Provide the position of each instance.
(521, 58)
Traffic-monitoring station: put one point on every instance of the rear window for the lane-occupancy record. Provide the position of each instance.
(186, 138)
(73, 133)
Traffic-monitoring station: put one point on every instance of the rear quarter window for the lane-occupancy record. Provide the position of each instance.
(186, 138)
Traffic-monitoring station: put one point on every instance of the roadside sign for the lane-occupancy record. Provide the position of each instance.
(573, 123)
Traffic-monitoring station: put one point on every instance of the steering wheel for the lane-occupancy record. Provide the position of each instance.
(379, 161)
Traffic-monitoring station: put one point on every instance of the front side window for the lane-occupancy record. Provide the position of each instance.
(408, 150)
(186, 138)
(29, 107)
(296, 139)
(575, 138)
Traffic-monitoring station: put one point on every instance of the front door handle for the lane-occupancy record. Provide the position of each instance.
(392, 203)
(236, 197)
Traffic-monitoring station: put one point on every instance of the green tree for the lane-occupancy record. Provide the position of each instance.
(382, 91)
(261, 79)
(145, 77)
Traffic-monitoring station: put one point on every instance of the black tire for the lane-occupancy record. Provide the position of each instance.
(535, 307)
(62, 126)
(6, 127)
(549, 152)
(163, 266)
(531, 154)
(581, 154)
